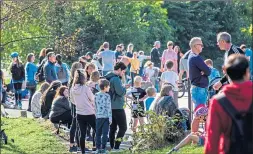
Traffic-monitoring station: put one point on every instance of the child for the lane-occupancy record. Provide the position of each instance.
(93, 83)
(169, 76)
(214, 72)
(197, 137)
(151, 97)
(103, 115)
(151, 74)
(35, 103)
(137, 95)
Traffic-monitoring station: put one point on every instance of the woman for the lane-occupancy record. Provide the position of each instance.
(177, 49)
(73, 129)
(35, 104)
(30, 72)
(83, 98)
(62, 70)
(89, 69)
(164, 103)
(169, 54)
(47, 98)
(42, 55)
(151, 74)
(60, 108)
(18, 76)
(129, 54)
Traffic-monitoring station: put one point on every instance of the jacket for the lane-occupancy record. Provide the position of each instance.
(155, 57)
(164, 106)
(117, 91)
(50, 72)
(46, 105)
(14, 73)
(219, 122)
(30, 69)
(60, 105)
(83, 98)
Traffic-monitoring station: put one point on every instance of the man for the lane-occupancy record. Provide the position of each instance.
(249, 55)
(184, 66)
(108, 58)
(225, 43)
(117, 92)
(49, 68)
(198, 74)
(88, 56)
(155, 54)
(40, 72)
(239, 95)
(118, 53)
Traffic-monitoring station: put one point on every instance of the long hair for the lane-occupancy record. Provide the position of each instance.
(79, 77)
(130, 46)
(60, 91)
(43, 52)
(75, 66)
(53, 86)
(59, 59)
(166, 89)
(44, 87)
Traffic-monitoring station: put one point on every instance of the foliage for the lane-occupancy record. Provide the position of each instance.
(157, 133)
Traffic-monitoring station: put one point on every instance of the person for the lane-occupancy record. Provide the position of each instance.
(108, 58)
(88, 57)
(169, 54)
(83, 98)
(155, 54)
(60, 110)
(220, 136)
(93, 82)
(151, 73)
(138, 95)
(35, 103)
(42, 55)
(30, 77)
(129, 54)
(179, 53)
(184, 66)
(224, 42)
(18, 75)
(135, 67)
(89, 68)
(151, 92)
(118, 53)
(74, 129)
(62, 70)
(141, 58)
(196, 137)
(47, 98)
(103, 115)
(82, 60)
(164, 103)
(214, 72)
(198, 75)
(171, 77)
(249, 54)
(117, 92)
(49, 68)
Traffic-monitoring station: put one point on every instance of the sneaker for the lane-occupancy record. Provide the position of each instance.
(73, 149)
(103, 151)
(78, 149)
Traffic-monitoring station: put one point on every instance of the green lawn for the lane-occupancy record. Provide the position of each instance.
(30, 137)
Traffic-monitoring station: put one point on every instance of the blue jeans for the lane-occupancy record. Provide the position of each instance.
(102, 128)
(199, 96)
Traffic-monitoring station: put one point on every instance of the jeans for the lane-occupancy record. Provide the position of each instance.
(83, 121)
(133, 75)
(102, 128)
(74, 132)
(199, 96)
(141, 71)
(18, 96)
(118, 120)
(31, 91)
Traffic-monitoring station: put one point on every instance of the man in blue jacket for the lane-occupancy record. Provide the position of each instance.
(49, 68)
(198, 74)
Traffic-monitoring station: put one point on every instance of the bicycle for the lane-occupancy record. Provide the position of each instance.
(182, 87)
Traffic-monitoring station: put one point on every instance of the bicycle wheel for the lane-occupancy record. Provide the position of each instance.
(181, 90)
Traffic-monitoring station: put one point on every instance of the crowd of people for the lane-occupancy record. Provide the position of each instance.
(91, 95)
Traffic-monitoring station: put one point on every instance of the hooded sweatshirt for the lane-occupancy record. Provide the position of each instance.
(83, 98)
(117, 91)
(219, 122)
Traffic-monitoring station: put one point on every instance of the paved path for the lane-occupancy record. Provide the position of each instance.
(183, 102)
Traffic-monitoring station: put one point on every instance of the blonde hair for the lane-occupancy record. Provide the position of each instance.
(208, 62)
(137, 80)
(43, 52)
(95, 76)
(44, 87)
(148, 63)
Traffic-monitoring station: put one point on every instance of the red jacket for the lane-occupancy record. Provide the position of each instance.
(219, 123)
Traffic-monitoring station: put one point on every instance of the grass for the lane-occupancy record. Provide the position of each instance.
(32, 136)
(29, 137)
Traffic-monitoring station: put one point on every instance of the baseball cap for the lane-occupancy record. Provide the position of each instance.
(14, 54)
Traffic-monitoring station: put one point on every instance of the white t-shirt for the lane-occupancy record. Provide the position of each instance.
(149, 72)
(170, 77)
(142, 58)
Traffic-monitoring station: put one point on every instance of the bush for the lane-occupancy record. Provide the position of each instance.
(157, 133)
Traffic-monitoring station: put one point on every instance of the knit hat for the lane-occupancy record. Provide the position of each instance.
(14, 55)
(201, 111)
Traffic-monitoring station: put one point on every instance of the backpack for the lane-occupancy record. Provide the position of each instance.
(62, 73)
(241, 131)
(40, 71)
(18, 73)
(94, 89)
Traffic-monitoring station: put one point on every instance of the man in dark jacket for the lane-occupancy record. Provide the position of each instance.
(117, 92)
(155, 54)
(49, 68)
(225, 43)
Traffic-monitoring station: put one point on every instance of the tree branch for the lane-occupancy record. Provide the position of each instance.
(28, 38)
